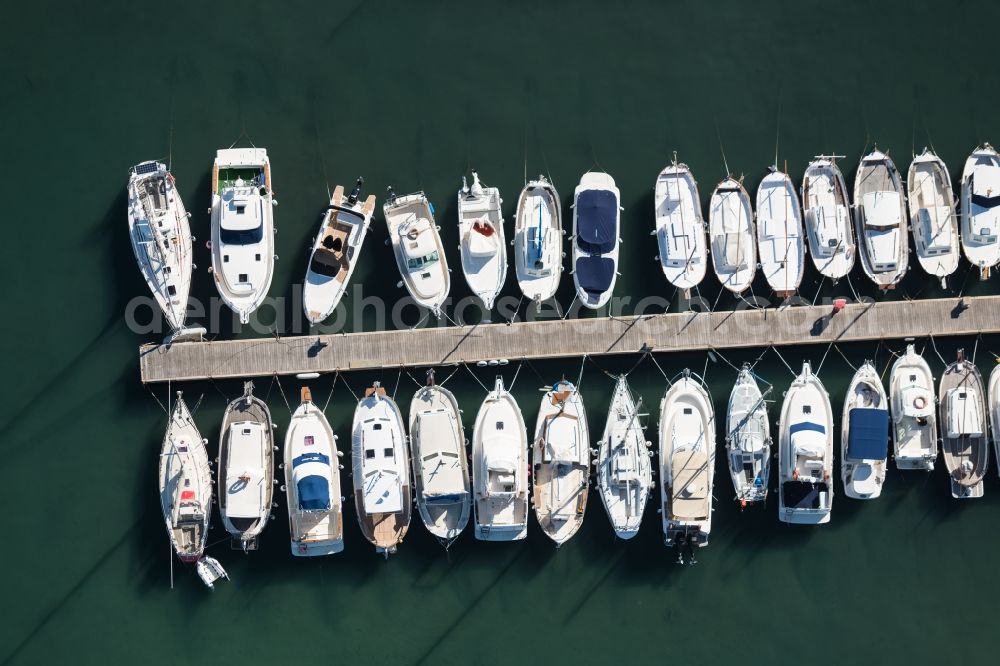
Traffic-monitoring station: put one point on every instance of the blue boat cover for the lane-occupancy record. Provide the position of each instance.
(311, 458)
(868, 438)
(596, 221)
(314, 493)
(806, 425)
(594, 274)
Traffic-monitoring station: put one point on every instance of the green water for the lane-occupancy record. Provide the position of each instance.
(413, 94)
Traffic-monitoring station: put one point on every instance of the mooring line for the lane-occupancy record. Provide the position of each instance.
(778, 353)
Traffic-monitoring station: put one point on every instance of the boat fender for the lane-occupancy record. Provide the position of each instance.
(208, 245)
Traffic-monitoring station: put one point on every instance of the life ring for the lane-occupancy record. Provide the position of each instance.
(920, 402)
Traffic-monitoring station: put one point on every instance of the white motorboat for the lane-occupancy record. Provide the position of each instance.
(805, 452)
(731, 230)
(561, 462)
(624, 470)
(864, 435)
(826, 209)
(482, 245)
(440, 463)
(161, 238)
(994, 409)
(680, 228)
(962, 401)
(779, 233)
(242, 228)
(914, 423)
(596, 225)
(981, 209)
(335, 251)
(748, 439)
(417, 246)
(538, 240)
(381, 471)
(687, 462)
(246, 468)
(500, 468)
(880, 220)
(933, 220)
(312, 482)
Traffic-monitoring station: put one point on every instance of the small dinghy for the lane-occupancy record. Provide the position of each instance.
(962, 402)
(932, 215)
(246, 469)
(864, 435)
(440, 463)
(500, 468)
(805, 452)
(312, 482)
(731, 230)
(680, 229)
(161, 238)
(779, 233)
(880, 220)
(417, 245)
(480, 231)
(596, 225)
(538, 240)
(914, 423)
(748, 439)
(981, 209)
(827, 213)
(209, 570)
(381, 471)
(687, 462)
(561, 462)
(335, 251)
(624, 471)
(242, 228)
(994, 404)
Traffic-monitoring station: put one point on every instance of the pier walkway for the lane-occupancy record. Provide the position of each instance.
(797, 325)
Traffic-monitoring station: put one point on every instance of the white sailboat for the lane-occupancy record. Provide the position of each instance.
(914, 423)
(805, 452)
(242, 228)
(500, 468)
(864, 435)
(748, 439)
(880, 220)
(687, 462)
(312, 482)
(561, 462)
(161, 238)
(624, 471)
(826, 208)
(482, 244)
(962, 401)
(538, 240)
(381, 471)
(246, 468)
(440, 463)
(335, 251)
(994, 409)
(731, 231)
(981, 209)
(680, 228)
(596, 226)
(417, 246)
(779, 233)
(932, 215)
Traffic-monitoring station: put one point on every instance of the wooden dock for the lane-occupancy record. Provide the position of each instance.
(796, 325)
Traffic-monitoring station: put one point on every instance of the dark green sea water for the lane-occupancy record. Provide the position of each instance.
(413, 94)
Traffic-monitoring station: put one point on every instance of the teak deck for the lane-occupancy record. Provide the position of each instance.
(797, 325)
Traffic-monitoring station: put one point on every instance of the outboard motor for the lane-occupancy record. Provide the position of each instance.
(356, 192)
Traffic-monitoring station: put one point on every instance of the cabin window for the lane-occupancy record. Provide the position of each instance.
(257, 256)
(984, 201)
(369, 454)
(244, 277)
(225, 258)
(247, 431)
(240, 210)
(310, 440)
(687, 410)
(807, 409)
(499, 425)
(377, 426)
(388, 452)
(172, 290)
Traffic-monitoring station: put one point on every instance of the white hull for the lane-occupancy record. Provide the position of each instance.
(595, 238)
(880, 220)
(417, 245)
(994, 410)
(624, 471)
(914, 422)
(680, 228)
(779, 233)
(185, 481)
(805, 452)
(933, 221)
(827, 215)
(963, 419)
(981, 221)
(538, 240)
(161, 238)
(748, 440)
(731, 232)
(863, 475)
(481, 240)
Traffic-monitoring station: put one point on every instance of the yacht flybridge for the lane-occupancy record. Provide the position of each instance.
(731, 233)
(417, 246)
(596, 225)
(932, 215)
(335, 251)
(880, 220)
(680, 229)
(538, 240)
(914, 423)
(827, 212)
(805, 452)
(779, 233)
(981, 209)
(481, 239)
(242, 228)
(161, 238)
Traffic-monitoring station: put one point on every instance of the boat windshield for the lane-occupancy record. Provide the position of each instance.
(325, 264)
(416, 263)
(985, 202)
(241, 236)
